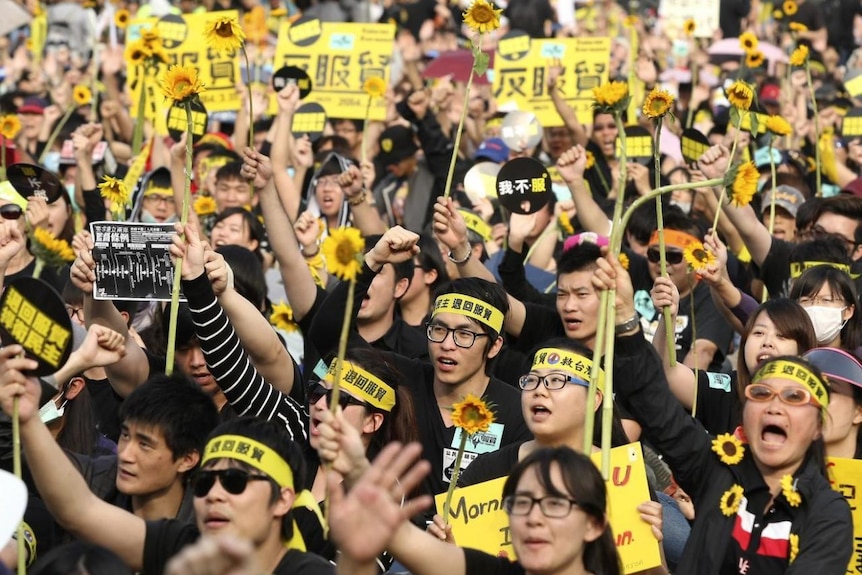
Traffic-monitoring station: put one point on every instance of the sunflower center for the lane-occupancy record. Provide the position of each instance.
(658, 105)
(728, 447)
(701, 256)
(224, 30)
(482, 14)
(344, 253)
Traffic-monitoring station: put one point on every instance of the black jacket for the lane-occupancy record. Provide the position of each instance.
(724, 544)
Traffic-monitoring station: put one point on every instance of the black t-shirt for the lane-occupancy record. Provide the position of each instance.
(490, 466)
(167, 537)
(774, 272)
(810, 15)
(106, 404)
(439, 442)
(718, 406)
(480, 563)
(529, 16)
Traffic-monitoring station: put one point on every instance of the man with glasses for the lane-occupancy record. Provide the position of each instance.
(245, 488)
(464, 336)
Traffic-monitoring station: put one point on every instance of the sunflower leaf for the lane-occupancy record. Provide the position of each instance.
(480, 63)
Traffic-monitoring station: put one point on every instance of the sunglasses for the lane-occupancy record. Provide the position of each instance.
(673, 258)
(233, 480)
(11, 212)
(789, 395)
(317, 390)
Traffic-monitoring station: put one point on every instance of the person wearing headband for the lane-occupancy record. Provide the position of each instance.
(245, 487)
(762, 495)
(842, 433)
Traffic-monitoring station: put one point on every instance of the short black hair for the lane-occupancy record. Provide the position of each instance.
(230, 171)
(183, 413)
(578, 258)
(248, 275)
(483, 290)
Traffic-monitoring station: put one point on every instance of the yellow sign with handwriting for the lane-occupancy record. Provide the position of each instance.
(338, 57)
(845, 476)
(521, 68)
(479, 521)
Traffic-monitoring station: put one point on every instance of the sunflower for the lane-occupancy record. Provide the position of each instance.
(748, 42)
(10, 125)
(204, 205)
(624, 260)
(82, 95)
(731, 499)
(374, 86)
(121, 19)
(472, 415)
(794, 547)
(689, 27)
(282, 318)
(744, 184)
(788, 489)
(658, 103)
(778, 126)
(51, 250)
(728, 448)
(342, 250)
(797, 27)
(224, 35)
(116, 192)
(137, 52)
(699, 258)
(565, 223)
(591, 160)
(611, 95)
(799, 56)
(482, 17)
(181, 83)
(790, 7)
(740, 95)
(777, 14)
(754, 59)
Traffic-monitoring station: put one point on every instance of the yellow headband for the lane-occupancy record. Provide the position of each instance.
(783, 369)
(798, 268)
(368, 387)
(469, 307)
(580, 366)
(477, 225)
(674, 238)
(267, 460)
(158, 191)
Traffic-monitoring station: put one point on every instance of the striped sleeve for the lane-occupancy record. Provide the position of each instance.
(245, 389)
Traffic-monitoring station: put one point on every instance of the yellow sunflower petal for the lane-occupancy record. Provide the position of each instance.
(472, 415)
(799, 56)
(121, 19)
(689, 27)
(610, 95)
(754, 59)
(790, 7)
(10, 125)
(224, 35)
(748, 41)
(797, 27)
(658, 103)
(728, 448)
(374, 86)
(181, 83)
(788, 489)
(731, 499)
(82, 95)
(794, 548)
(740, 95)
(342, 250)
(744, 184)
(778, 126)
(204, 205)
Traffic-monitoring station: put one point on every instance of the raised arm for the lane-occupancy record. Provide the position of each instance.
(282, 145)
(451, 230)
(567, 114)
(680, 377)
(60, 485)
(571, 167)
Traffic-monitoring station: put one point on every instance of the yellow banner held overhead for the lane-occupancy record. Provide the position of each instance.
(183, 40)
(520, 75)
(479, 521)
(338, 57)
(845, 476)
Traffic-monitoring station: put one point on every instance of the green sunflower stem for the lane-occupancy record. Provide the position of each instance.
(454, 160)
(607, 403)
(693, 346)
(184, 218)
(689, 116)
(456, 471)
(37, 271)
(365, 133)
(714, 228)
(53, 137)
(250, 104)
(598, 348)
(138, 133)
(670, 332)
(817, 174)
(771, 203)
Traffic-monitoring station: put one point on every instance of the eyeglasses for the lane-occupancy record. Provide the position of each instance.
(465, 338)
(550, 505)
(328, 181)
(233, 480)
(158, 199)
(552, 381)
(673, 257)
(75, 312)
(317, 390)
(819, 232)
(817, 300)
(789, 395)
(11, 212)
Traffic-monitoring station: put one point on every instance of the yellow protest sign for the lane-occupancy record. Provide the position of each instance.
(479, 521)
(183, 40)
(845, 476)
(338, 58)
(520, 75)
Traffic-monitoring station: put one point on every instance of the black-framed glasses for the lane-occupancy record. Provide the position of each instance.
(550, 505)
(11, 212)
(233, 480)
(317, 390)
(75, 312)
(653, 254)
(462, 337)
(819, 232)
(552, 381)
(791, 395)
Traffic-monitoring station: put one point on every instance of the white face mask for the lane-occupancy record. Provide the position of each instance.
(684, 206)
(50, 412)
(827, 321)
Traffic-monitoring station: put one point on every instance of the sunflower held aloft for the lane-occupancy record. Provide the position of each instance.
(790, 7)
(689, 27)
(482, 17)
(342, 250)
(611, 97)
(778, 126)
(10, 125)
(748, 42)
(282, 318)
(116, 192)
(740, 95)
(799, 56)
(472, 415)
(204, 205)
(698, 257)
(50, 250)
(374, 86)
(181, 83)
(754, 59)
(658, 104)
(224, 35)
(82, 95)
(743, 184)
